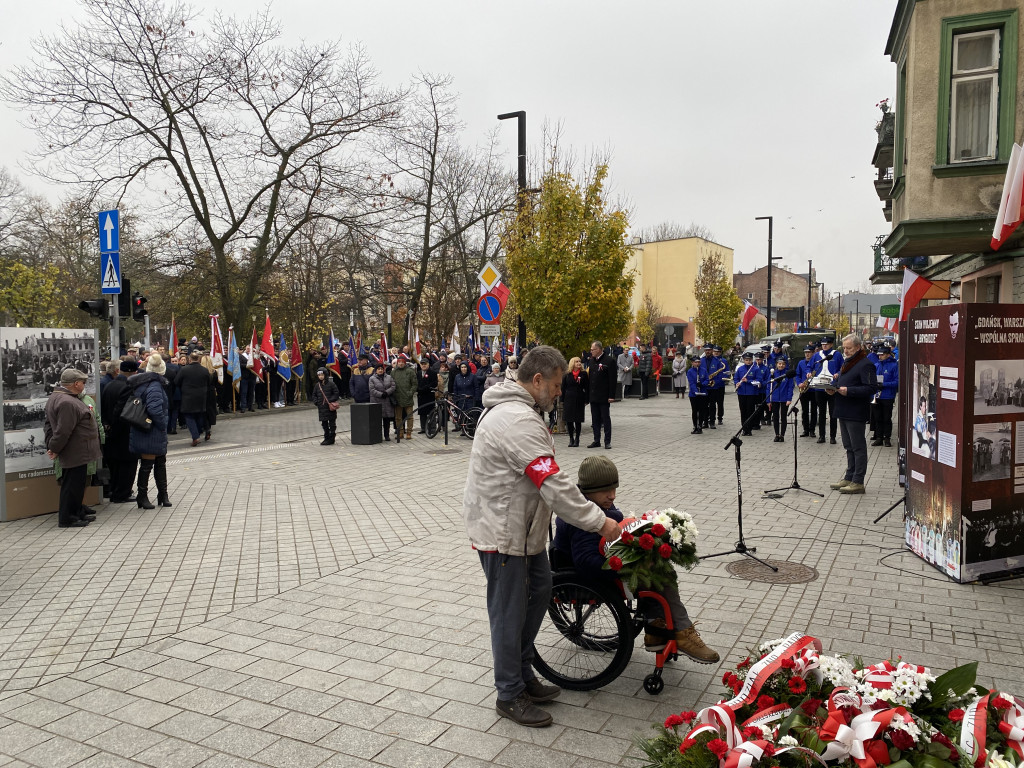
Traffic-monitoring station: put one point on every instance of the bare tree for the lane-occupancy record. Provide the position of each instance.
(219, 125)
(671, 230)
(13, 201)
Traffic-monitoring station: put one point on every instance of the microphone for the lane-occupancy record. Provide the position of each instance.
(789, 375)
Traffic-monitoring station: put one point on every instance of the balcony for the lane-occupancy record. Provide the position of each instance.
(884, 151)
(883, 184)
(888, 269)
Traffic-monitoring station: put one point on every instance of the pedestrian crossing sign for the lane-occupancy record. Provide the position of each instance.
(110, 272)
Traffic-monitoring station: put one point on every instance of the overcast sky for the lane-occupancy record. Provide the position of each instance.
(712, 112)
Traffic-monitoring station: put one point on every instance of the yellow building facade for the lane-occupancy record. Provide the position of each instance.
(667, 270)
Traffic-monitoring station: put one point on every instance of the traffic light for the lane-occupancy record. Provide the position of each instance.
(95, 308)
(139, 310)
(124, 304)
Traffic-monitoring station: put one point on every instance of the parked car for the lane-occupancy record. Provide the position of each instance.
(793, 343)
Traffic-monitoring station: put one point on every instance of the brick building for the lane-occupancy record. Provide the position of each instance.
(789, 289)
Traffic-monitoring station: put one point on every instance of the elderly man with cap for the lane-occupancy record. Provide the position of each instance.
(808, 409)
(830, 360)
(598, 479)
(512, 487)
(122, 463)
(71, 435)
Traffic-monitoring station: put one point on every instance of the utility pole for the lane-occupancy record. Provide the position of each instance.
(770, 259)
(521, 124)
(809, 281)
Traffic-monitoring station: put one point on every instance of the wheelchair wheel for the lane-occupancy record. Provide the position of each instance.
(586, 638)
(469, 420)
(433, 425)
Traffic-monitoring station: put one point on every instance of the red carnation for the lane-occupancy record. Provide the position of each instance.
(727, 678)
(797, 685)
(901, 739)
(615, 563)
(736, 686)
(752, 732)
(647, 542)
(744, 664)
(689, 716)
(763, 702)
(658, 529)
(787, 664)
(956, 715)
(686, 744)
(627, 537)
(665, 550)
(719, 747)
(769, 750)
(673, 720)
(811, 706)
(944, 740)
(1000, 703)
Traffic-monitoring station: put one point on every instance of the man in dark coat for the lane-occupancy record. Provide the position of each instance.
(71, 435)
(426, 385)
(601, 372)
(359, 384)
(170, 374)
(194, 381)
(122, 464)
(854, 387)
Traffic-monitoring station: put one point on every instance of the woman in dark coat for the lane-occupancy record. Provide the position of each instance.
(464, 387)
(211, 395)
(326, 391)
(194, 381)
(575, 396)
(151, 446)
(382, 387)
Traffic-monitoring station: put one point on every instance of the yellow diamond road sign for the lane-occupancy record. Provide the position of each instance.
(489, 276)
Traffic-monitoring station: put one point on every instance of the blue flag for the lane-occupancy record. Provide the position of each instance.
(234, 364)
(284, 369)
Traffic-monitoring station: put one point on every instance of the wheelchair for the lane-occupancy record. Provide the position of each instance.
(588, 633)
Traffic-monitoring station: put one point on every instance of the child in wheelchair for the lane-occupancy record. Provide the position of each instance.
(598, 479)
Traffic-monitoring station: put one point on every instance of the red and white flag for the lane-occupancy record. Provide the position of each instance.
(749, 313)
(385, 350)
(888, 323)
(1011, 203)
(254, 355)
(267, 344)
(217, 348)
(419, 349)
(914, 289)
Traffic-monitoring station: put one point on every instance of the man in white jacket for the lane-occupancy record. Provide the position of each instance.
(512, 487)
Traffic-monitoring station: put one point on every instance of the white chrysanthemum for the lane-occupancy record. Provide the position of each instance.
(788, 741)
(837, 671)
(911, 728)
(664, 520)
(676, 536)
(995, 759)
(770, 645)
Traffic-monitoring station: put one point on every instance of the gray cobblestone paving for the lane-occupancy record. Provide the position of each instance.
(311, 606)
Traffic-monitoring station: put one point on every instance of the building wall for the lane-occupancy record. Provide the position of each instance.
(667, 270)
(925, 195)
(788, 288)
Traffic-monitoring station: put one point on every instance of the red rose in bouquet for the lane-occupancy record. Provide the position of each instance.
(901, 739)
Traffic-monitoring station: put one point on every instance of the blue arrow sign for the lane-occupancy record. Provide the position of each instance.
(110, 272)
(110, 240)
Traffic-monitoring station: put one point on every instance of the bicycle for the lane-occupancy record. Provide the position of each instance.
(463, 419)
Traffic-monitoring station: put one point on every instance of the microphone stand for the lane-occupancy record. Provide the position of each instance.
(741, 547)
(794, 486)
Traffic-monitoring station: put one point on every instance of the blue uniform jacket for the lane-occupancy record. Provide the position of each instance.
(721, 366)
(698, 382)
(781, 391)
(747, 387)
(889, 378)
(803, 368)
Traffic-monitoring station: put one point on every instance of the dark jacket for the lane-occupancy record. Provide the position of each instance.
(359, 384)
(405, 385)
(381, 389)
(575, 394)
(69, 429)
(171, 373)
(861, 385)
(325, 392)
(465, 389)
(194, 382)
(426, 383)
(111, 402)
(601, 373)
(582, 546)
(149, 387)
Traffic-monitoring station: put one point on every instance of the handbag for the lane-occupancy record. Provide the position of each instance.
(134, 412)
(333, 406)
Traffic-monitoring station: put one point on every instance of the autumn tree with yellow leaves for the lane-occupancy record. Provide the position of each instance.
(718, 306)
(566, 255)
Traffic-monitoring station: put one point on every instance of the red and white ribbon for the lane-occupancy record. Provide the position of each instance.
(767, 716)
(972, 731)
(807, 662)
(882, 676)
(758, 674)
(1012, 725)
(746, 754)
(857, 740)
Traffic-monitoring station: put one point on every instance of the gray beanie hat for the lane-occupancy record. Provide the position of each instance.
(597, 473)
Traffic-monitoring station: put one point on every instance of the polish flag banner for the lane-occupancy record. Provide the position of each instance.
(914, 289)
(749, 313)
(254, 355)
(1011, 203)
(217, 348)
(267, 345)
(419, 348)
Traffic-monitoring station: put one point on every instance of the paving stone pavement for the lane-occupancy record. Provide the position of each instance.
(319, 606)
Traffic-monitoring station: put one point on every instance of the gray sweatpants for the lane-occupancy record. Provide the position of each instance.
(518, 593)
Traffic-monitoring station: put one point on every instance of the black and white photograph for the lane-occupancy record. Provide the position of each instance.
(31, 360)
(992, 447)
(998, 387)
(924, 434)
(26, 414)
(993, 540)
(25, 450)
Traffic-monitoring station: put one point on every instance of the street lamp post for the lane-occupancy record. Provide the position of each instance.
(810, 269)
(521, 122)
(770, 220)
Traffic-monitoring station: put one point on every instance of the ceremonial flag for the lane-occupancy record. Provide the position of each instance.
(470, 346)
(454, 347)
(501, 292)
(352, 358)
(888, 323)
(486, 344)
(385, 350)
(298, 369)
(267, 344)
(749, 313)
(332, 363)
(254, 355)
(284, 368)
(216, 348)
(419, 350)
(1011, 202)
(172, 346)
(515, 348)
(234, 364)
(914, 289)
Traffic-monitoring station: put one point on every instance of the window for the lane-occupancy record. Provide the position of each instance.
(977, 95)
(750, 297)
(974, 108)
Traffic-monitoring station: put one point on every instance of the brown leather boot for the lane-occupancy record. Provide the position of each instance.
(689, 643)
